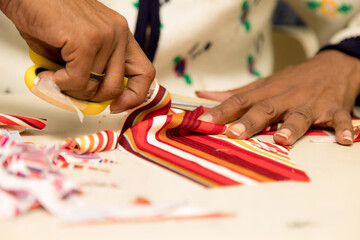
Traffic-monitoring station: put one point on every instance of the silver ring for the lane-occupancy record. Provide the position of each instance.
(97, 76)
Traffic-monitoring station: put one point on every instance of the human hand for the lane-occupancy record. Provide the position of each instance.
(85, 36)
(320, 92)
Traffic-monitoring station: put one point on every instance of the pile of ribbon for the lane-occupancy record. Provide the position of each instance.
(30, 178)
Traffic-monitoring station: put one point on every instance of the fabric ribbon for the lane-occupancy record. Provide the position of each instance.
(198, 150)
(97, 142)
(15, 120)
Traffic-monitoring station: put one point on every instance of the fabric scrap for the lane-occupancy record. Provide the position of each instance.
(11, 134)
(15, 120)
(30, 179)
(97, 142)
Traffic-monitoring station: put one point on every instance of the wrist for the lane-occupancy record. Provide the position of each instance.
(350, 46)
(341, 66)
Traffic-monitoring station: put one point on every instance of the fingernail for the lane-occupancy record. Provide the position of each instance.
(284, 132)
(347, 135)
(237, 129)
(206, 117)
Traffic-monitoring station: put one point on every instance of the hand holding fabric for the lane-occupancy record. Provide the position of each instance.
(85, 36)
(320, 92)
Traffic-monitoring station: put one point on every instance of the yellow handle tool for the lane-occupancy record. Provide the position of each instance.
(43, 64)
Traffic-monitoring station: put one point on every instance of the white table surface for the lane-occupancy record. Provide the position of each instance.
(326, 208)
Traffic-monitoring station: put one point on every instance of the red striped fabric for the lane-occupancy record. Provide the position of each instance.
(15, 120)
(97, 142)
(200, 151)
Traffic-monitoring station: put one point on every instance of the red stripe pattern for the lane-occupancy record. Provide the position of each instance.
(15, 120)
(201, 152)
(97, 142)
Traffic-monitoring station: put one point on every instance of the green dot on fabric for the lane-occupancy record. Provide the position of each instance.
(344, 8)
(177, 59)
(313, 4)
(187, 79)
(136, 4)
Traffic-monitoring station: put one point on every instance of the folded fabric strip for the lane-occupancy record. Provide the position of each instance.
(97, 142)
(158, 104)
(14, 120)
(199, 151)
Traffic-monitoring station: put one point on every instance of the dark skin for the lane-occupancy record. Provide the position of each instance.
(85, 36)
(320, 92)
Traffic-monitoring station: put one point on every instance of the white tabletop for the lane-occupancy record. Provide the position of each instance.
(326, 208)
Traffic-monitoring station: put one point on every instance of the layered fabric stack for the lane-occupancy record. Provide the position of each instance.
(199, 150)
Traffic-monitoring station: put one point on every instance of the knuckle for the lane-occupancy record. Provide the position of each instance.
(107, 32)
(240, 100)
(122, 25)
(250, 123)
(267, 107)
(305, 113)
(92, 36)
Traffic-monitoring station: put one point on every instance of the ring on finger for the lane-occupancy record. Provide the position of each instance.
(97, 76)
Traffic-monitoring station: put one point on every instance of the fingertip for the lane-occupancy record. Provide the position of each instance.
(46, 75)
(206, 117)
(283, 137)
(213, 95)
(345, 138)
(115, 109)
(237, 130)
(117, 106)
(201, 94)
(127, 100)
(342, 124)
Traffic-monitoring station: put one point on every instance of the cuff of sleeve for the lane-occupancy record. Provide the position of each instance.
(350, 46)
